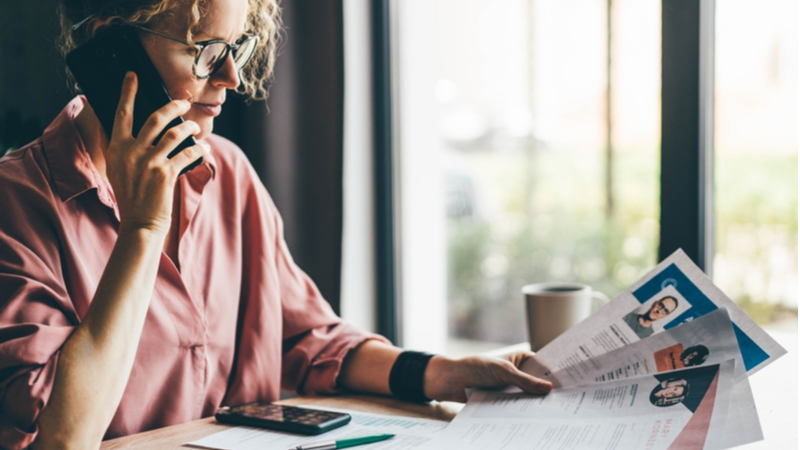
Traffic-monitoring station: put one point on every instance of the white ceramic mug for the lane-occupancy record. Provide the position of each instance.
(553, 308)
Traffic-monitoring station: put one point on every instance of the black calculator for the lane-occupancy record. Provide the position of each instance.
(282, 418)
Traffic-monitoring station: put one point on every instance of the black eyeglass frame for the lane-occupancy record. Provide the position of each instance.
(200, 46)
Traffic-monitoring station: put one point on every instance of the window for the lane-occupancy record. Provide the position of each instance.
(756, 157)
(527, 149)
(525, 154)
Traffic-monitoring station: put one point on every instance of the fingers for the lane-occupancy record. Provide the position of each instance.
(449, 378)
(189, 155)
(123, 120)
(174, 136)
(525, 381)
(528, 383)
(518, 358)
(157, 121)
(155, 124)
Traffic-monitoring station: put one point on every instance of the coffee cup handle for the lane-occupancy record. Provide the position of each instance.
(597, 295)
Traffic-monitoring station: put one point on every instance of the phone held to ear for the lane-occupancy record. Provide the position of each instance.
(290, 419)
(99, 67)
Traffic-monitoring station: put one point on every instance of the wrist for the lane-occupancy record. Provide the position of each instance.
(435, 376)
(407, 377)
(143, 233)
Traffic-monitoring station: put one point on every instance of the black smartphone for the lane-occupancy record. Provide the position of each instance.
(99, 67)
(282, 418)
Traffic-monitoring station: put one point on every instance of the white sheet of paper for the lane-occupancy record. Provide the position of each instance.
(658, 353)
(613, 416)
(409, 432)
(743, 425)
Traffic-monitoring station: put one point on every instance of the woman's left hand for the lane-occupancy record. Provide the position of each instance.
(446, 379)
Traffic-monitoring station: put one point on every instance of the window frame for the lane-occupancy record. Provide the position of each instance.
(387, 297)
(687, 130)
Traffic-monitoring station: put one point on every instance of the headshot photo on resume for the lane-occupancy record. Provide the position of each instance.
(642, 324)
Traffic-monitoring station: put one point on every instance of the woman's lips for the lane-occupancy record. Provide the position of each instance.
(208, 109)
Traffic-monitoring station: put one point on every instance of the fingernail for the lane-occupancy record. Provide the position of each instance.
(128, 76)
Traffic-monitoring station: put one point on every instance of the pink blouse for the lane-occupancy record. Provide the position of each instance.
(236, 324)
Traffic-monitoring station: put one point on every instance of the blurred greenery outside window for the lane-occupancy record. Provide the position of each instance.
(756, 157)
(549, 151)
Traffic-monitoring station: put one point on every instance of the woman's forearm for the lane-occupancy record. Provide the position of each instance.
(367, 368)
(96, 361)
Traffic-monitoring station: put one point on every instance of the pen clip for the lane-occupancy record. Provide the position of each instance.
(326, 445)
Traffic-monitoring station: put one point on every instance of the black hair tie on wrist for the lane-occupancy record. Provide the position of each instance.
(407, 378)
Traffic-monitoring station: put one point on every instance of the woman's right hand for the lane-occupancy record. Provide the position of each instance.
(141, 175)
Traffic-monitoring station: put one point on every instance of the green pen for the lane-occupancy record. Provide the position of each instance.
(344, 443)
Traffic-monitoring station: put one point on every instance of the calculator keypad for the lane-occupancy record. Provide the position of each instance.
(281, 413)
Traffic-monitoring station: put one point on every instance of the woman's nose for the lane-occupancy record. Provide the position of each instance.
(227, 76)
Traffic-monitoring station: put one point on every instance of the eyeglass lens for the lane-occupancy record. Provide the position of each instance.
(213, 56)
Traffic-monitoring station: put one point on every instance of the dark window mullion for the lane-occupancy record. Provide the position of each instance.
(386, 292)
(687, 127)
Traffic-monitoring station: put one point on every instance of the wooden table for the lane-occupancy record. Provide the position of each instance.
(774, 389)
(172, 438)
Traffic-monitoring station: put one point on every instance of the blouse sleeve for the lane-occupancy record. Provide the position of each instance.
(315, 339)
(34, 310)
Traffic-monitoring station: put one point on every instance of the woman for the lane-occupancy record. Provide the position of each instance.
(133, 298)
(669, 392)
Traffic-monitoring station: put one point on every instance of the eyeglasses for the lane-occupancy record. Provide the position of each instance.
(211, 55)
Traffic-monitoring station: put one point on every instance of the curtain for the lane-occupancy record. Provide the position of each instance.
(295, 140)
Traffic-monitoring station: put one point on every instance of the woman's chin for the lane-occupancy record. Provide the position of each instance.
(205, 122)
(202, 135)
(206, 128)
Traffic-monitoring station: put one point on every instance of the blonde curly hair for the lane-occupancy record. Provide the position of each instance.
(263, 19)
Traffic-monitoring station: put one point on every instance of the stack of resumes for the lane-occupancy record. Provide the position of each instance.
(677, 382)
